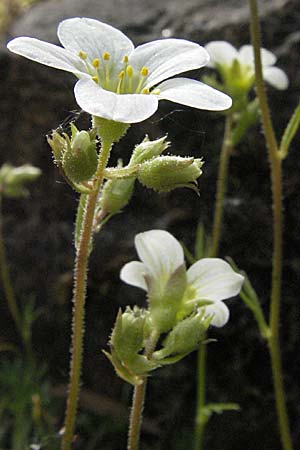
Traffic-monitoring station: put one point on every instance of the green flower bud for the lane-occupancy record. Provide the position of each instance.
(80, 159)
(128, 334)
(147, 150)
(166, 173)
(184, 338)
(116, 194)
(12, 179)
(58, 145)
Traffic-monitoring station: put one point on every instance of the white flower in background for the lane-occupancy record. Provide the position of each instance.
(208, 280)
(117, 81)
(223, 56)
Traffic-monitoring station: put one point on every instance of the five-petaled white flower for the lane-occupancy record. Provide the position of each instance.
(223, 55)
(208, 280)
(117, 81)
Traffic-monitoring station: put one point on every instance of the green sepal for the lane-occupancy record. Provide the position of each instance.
(163, 306)
(108, 130)
(289, 133)
(121, 371)
(148, 150)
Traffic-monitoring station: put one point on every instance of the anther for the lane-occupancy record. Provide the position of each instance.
(155, 92)
(106, 56)
(145, 91)
(144, 71)
(96, 79)
(82, 55)
(95, 63)
(129, 71)
(125, 59)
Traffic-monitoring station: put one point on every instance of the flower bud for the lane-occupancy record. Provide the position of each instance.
(166, 173)
(80, 159)
(116, 194)
(58, 145)
(128, 334)
(147, 150)
(12, 179)
(184, 338)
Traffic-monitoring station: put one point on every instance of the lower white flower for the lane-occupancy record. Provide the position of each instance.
(223, 55)
(206, 283)
(117, 81)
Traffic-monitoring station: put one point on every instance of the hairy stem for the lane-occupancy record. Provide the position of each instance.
(221, 187)
(80, 281)
(200, 421)
(276, 178)
(136, 414)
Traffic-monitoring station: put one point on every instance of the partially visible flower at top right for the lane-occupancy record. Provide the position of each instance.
(237, 69)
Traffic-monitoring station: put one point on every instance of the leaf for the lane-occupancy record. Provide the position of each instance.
(289, 133)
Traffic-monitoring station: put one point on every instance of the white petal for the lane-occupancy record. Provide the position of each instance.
(167, 57)
(95, 38)
(220, 313)
(193, 93)
(214, 279)
(160, 252)
(47, 54)
(221, 52)
(125, 108)
(246, 56)
(134, 273)
(276, 77)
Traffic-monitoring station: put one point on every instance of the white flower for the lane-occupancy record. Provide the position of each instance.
(117, 81)
(223, 55)
(208, 280)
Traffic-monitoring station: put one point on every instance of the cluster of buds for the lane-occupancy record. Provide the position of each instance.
(152, 170)
(13, 179)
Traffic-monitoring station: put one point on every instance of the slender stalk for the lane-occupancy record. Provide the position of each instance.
(221, 186)
(80, 281)
(136, 414)
(201, 388)
(276, 178)
(6, 282)
(226, 151)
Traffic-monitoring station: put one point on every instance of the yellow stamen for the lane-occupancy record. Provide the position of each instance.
(144, 71)
(106, 56)
(82, 55)
(125, 59)
(95, 63)
(129, 71)
(155, 92)
(145, 91)
(96, 79)
(121, 77)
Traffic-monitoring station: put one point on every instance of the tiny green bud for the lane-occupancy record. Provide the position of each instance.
(147, 150)
(116, 194)
(165, 173)
(80, 159)
(12, 179)
(128, 334)
(58, 145)
(184, 338)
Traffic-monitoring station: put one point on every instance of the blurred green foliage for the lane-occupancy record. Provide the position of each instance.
(10, 9)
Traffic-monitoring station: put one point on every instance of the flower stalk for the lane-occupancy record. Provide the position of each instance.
(136, 414)
(226, 152)
(276, 178)
(80, 282)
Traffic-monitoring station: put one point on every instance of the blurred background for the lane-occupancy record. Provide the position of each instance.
(39, 240)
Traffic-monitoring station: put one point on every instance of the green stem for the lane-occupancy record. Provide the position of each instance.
(201, 388)
(221, 186)
(7, 284)
(136, 414)
(80, 281)
(276, 177)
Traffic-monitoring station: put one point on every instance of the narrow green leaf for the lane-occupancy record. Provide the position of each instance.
(289, 133)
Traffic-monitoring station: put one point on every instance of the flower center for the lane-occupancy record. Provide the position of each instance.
(125, 81)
